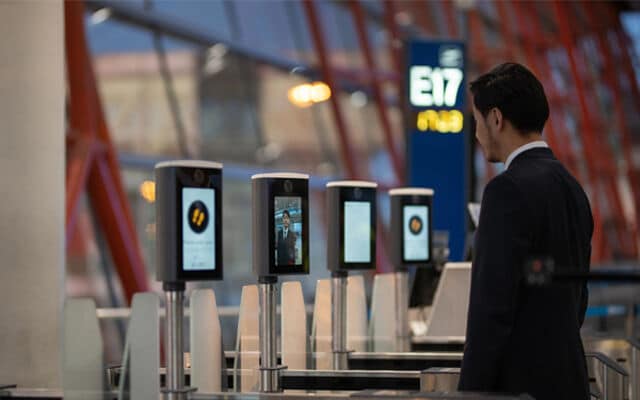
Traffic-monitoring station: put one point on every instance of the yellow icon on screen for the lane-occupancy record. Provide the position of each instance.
(197, 217)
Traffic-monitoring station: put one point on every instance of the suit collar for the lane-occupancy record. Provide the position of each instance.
(528, 146)
(535, 153)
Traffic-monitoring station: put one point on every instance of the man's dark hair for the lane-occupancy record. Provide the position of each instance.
(286, 212)
(516, 92)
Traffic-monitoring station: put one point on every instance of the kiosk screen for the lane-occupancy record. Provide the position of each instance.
(198, 229)
(357, 232)
(288, 230)
(416, 233)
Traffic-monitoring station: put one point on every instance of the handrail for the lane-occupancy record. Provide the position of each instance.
(611, 390)
(608, 362)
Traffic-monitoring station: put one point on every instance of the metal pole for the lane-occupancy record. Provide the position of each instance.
(402, 311)
(174, 295)
(339, 320)
(269, 370)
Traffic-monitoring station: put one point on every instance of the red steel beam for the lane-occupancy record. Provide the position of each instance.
(81, 117)
(395, 42)
(625, 48)
(626, 243)
(477, 38)
(590, 141)
(450, 12)
(79, 160)
(512, 31)
(609, 76)
(395, 39)
(358, 16)
(92, 160)
(529, 26)
(111, 213)
(416, 16)
(346, 148)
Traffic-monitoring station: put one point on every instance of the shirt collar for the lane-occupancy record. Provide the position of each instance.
(522, 149)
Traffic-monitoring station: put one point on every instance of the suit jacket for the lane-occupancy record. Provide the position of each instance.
(286, 247)
(523, 339)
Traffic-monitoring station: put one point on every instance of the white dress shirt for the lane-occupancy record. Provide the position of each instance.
(522, 149)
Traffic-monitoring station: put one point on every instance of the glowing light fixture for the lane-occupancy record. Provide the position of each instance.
(148, 191)
(100, 15)
(306, 94)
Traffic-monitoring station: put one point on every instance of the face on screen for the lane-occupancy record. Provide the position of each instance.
(288, 230)
(357, 232)
(416, 232)
(198, 229)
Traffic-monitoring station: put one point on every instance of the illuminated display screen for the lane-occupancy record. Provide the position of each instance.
(288, 230)
(198, 229)
(415, 233)
(357, 232)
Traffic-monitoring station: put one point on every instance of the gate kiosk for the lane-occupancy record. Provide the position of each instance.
(411, 245)
(188, 246)
(280, 247)
(351, 245)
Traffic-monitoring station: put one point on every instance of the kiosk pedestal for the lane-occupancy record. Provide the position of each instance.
(269, 368)
(411, 245)
(351, 212)
(339, 320)
(189, 247)
(174, 298)
(280, 246)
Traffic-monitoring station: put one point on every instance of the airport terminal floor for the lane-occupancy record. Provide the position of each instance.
(244, 199)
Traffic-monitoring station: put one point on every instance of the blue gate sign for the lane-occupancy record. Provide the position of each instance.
(436, 142)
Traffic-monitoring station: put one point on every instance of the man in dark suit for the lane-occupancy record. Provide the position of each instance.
(286, 243)
(523, 339)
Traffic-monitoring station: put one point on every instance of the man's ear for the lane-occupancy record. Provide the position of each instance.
(496, 118)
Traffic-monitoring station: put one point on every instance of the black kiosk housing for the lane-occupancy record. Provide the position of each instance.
(411, 228)
(351, 218)
(280, 224)
(189, 220)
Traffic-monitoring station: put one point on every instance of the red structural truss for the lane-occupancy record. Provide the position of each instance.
(92, 165)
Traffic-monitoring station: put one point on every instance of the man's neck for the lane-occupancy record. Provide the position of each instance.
(516, 140)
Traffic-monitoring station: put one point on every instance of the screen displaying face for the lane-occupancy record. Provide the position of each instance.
(357, 232)
(416, 233)
(288, 230)
(198, 229)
